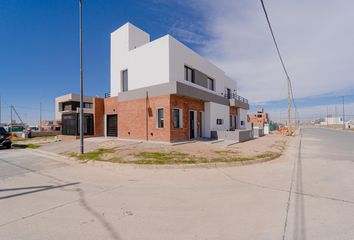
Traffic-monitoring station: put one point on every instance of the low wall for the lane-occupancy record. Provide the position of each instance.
(226, 135)
(237, 135)
(258, 132)
(245, 135)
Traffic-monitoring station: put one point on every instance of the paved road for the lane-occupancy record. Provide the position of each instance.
(306, 194)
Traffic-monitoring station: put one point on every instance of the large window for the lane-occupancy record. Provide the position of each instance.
(125, 80)
(188, 74)
(211, 85)
(177, 118)
(160, 118)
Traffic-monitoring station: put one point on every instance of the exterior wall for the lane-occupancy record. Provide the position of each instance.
(180, 55)
(258, 121)
(186, 104)
(67, 98)
(159, 61)
(215, 111)
(98, 116)
(129, 50)
(133, 124)
(243, 117)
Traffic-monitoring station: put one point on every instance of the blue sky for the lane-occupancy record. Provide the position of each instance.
(39, 50)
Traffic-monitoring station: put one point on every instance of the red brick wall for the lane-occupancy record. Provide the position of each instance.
(133, 122)
(187, 104)
(98, 115)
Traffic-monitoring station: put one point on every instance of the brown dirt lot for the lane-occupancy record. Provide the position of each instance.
(270, 146)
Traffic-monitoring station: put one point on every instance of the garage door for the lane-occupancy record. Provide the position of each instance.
(112, 125)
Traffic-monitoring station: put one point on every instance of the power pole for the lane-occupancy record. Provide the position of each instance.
(40, 117)
(289, 106)
(327, 116)
(81, 87)
(343, 113)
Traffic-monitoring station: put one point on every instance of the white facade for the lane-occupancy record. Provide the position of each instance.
(332, 121)
(156, 62)
(214, 111)
(162, 61)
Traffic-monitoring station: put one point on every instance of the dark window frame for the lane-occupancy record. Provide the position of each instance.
(212, 85)
(186, 69)
(179, 122)
(160, 118)
(124, 80)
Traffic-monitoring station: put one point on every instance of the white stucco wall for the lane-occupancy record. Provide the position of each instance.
(242, 113)
(214, 111)
(156, 62)
(181, 55)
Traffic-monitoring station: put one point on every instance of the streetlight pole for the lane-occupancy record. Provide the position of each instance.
(81, 87)
(343, 113)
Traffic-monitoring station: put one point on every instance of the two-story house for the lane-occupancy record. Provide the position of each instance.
(160, 90)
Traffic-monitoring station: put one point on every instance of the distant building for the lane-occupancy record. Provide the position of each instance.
(259, 118)
(332, 120)
(67, 112)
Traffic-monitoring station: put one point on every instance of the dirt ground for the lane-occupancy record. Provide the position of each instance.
(124, 151)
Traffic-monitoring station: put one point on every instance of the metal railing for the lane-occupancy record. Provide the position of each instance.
(235, 96)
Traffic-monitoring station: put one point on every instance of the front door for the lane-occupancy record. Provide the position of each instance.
(112, 125)
(191, 125)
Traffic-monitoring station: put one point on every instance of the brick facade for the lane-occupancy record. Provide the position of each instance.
(137, 119)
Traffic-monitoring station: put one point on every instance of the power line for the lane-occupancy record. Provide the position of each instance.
(290, 89)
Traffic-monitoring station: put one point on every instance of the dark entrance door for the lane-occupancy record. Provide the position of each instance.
(191, 125)
(70, 124)
(112, 125)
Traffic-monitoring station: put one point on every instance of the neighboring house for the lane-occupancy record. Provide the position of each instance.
(332, 120)
(259, 118)
(349, 124)
(67, 112)
(163, 91)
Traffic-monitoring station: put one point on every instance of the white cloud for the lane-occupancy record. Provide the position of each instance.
(315, 37)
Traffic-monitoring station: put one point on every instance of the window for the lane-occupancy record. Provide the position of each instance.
(219, 121)
(242, 123)
(211, 84)
(125, 80)
(228, 93)
(160, 118)
(177, 118)
(188, 74)
(87, 105)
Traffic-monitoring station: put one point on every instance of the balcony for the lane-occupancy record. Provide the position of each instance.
(237, 101)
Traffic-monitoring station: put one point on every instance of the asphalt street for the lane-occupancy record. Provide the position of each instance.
(307, 193)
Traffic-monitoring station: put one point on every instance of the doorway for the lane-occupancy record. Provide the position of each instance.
(192, 124)
(112, 125)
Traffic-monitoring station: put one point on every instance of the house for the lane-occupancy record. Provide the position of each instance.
(161, 90)
(332, 120)
(259, 118)
(67, 112)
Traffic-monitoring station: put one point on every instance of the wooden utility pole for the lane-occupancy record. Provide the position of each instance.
(289, 106)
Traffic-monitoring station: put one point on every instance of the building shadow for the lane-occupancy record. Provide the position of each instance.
(35, 190)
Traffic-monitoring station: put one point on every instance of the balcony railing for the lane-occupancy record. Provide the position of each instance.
(235, 96)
